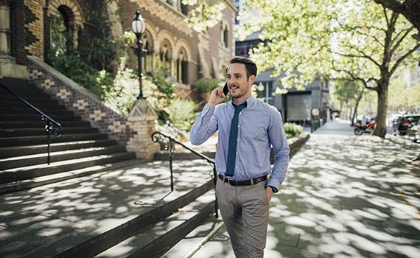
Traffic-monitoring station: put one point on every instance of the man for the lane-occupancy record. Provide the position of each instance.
(243, 156)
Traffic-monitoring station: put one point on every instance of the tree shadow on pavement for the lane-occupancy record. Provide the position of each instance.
(347, 196)
(81, 208)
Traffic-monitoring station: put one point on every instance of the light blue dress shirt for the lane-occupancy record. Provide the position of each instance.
(260, 127)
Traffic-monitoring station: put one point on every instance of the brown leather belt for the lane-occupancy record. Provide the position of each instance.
(243, 182)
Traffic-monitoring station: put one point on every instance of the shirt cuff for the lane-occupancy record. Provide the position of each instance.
(274, 182)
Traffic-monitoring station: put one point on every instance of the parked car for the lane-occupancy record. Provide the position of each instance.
(406, 124)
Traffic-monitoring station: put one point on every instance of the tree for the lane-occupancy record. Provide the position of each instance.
(348, 93)
(358, 41)
(409, 8)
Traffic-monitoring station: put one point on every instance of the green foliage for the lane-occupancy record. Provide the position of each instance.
(88, 64)
(74, 67)
(101, 49)
(403, 98)
(205, 15)
(181, 113)
(206, 85)
(164, 84)
(336, 39)
(292, 130)
(121, 93)
(345, 92)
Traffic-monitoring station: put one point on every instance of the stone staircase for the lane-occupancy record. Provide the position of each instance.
(94, 199)
(80, 150)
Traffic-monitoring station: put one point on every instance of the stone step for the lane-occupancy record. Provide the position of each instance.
(38, 104)
(55, 178)
(55, 110)
(38, 149)
(191, 243)
(36, 117)
(83, 217)
(24, 89)
(36, 159)
(30, 172)
(4, 133)
(36, 140)
(5, 96)
(155, 240)
(40, 123)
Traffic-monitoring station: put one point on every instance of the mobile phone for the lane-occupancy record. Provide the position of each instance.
(225, 89)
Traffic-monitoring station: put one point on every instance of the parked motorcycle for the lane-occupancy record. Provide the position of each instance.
(361, 129)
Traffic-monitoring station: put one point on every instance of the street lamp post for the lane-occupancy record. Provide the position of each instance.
(138, 28)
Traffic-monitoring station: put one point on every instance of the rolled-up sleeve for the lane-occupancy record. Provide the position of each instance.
(205, 125)
(281, 149)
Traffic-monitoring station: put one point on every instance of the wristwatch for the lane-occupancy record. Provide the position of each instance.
(275, 190)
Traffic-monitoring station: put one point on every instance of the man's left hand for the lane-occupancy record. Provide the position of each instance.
(269, 193)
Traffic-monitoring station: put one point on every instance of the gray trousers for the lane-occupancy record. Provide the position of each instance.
(244, 211)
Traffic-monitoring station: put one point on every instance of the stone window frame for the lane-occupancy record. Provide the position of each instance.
(182, 45)
(75, 15)
(148, 45)
(178, 6)
(224, 34)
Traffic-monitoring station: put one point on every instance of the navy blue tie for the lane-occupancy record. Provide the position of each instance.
(233, 140)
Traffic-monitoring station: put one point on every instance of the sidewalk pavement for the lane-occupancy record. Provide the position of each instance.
(344, 196)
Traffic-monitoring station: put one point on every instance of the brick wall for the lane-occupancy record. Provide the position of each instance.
(79, 100)
(34, 28)
(18, 38)
(133, 131)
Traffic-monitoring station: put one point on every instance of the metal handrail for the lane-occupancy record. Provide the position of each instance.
(156, 136)
(50, 124)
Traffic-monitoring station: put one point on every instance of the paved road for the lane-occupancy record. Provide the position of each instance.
(345, 196)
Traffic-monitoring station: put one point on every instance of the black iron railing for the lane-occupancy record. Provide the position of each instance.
(50, 124)
(156, 136)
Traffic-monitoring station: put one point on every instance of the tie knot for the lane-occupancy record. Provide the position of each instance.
(238, 108)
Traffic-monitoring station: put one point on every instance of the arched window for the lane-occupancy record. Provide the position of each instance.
(60, 39)
(165, 56)
(147, 64)
(182, 67)
(226, 36)
(184, 8)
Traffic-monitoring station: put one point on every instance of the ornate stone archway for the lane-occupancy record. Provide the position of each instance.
(74, 15)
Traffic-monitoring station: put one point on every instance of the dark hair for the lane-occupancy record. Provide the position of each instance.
(251, 67)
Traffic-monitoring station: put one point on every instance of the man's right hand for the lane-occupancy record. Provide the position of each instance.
(216, 97)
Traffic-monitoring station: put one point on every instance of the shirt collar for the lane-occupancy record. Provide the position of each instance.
(250, 101)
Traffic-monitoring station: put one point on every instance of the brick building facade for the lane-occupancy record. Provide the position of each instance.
(188, 55)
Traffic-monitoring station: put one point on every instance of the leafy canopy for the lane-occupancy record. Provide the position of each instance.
(336, 39)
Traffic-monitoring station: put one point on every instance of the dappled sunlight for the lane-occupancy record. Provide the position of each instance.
(91, 205)
(347, 197)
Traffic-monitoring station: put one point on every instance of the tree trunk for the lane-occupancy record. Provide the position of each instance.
(380, 129)
(357, 105)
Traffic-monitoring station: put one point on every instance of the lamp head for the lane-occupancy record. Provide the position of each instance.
(138, 24)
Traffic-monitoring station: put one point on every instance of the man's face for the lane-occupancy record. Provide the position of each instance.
(238, 83)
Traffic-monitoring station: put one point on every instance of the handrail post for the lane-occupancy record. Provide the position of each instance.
(216, 204)
(171, 149)
(48, 126)
(171, 142)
